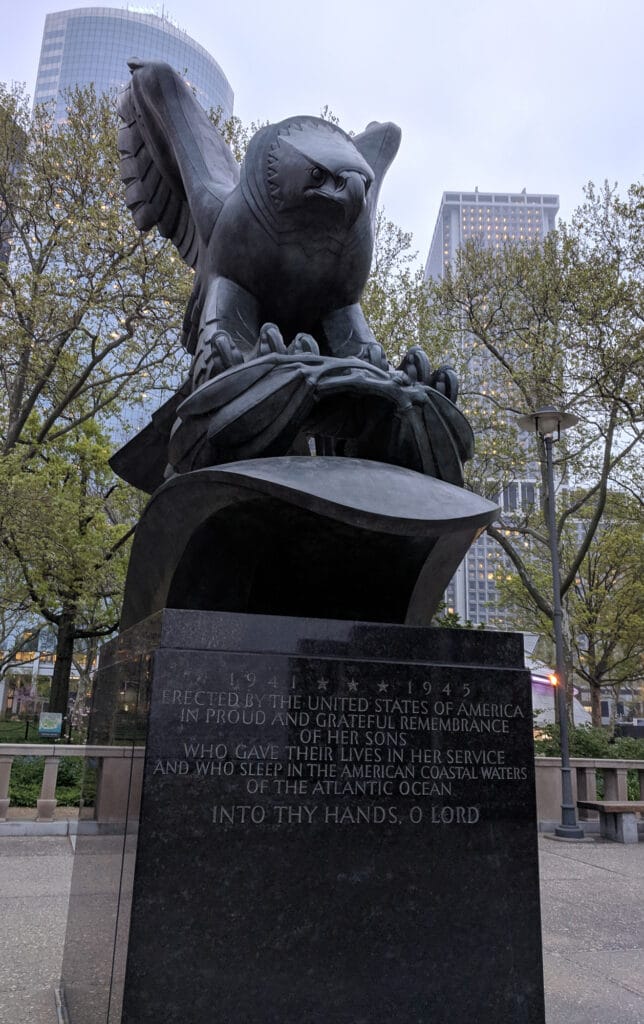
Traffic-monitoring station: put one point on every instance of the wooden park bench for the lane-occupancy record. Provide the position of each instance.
(617, 818)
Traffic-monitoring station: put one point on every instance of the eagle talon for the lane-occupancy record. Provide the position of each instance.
(416, 365)
(444, 379)
(270, 341)
(225, 351)
(373, 353)
(303, 344)
(213, 356)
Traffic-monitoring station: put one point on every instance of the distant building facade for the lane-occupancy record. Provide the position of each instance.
(491, 218)
(93, 44)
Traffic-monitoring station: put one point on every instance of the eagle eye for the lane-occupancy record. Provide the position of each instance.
(317, 175)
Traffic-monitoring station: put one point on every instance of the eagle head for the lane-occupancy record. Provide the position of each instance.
(309, 169)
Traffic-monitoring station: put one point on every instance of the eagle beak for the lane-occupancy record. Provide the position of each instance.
(347, 191)
(351, 191)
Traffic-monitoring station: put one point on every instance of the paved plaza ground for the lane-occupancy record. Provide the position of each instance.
(593, 929)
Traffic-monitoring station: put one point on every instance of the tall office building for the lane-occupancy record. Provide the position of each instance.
(93, 44)
(492, 218)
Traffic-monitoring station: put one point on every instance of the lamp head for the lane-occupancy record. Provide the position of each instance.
(547, 420)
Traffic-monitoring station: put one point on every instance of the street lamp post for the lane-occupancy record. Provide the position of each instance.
(546, 422)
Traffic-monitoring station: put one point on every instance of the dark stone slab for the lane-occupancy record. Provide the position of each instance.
(205, 631)
(96, 940)
(338, 825)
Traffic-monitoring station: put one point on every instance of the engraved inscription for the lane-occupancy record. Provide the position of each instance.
(338, 747)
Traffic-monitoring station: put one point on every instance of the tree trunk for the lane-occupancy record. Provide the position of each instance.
(617, 690)
(596, 704)
(63, 664)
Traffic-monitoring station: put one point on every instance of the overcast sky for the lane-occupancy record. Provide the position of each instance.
(499, 94)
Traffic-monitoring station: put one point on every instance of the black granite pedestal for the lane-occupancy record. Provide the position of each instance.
(337, 827)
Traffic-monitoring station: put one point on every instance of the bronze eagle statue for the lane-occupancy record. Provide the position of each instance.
(284, 361)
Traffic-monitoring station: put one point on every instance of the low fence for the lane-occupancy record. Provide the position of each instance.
(119, 773)
(590, 777)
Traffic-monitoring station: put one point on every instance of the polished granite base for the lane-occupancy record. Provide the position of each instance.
(337, 826)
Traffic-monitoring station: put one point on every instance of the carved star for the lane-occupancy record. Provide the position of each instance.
(322, 684)
(353, 685)
(383, 686)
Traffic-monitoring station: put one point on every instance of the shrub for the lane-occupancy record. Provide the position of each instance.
(588, 741)
(26, 780)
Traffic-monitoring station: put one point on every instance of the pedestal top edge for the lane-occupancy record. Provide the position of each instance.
(231, 631)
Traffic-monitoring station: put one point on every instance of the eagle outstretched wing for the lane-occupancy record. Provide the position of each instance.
(176, 168)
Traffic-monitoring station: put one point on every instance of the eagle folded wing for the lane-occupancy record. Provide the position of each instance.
(378, 144)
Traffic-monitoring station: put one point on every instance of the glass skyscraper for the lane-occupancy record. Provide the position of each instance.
(492, 218)
(93, 44)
